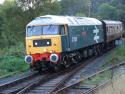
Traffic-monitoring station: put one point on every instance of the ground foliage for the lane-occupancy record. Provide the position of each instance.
(12, 60)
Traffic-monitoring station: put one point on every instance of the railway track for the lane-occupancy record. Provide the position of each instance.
(18, 84)
(52, 83)
(77, 88)
(24, 84)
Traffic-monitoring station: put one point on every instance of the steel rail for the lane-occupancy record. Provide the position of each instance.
(16, 81)
(62, 83)
(96, 87)
(86, 78)
(36, 83)
(9, 87)
(70, 74)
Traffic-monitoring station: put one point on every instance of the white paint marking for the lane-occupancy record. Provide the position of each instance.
(96, 37)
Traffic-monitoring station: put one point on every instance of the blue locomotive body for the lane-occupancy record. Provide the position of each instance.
(62, 40)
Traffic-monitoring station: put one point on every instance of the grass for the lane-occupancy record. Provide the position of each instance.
(117, 56)
(12, 60)
(99, 78)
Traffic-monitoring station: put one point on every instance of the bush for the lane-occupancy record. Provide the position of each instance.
(12, 60)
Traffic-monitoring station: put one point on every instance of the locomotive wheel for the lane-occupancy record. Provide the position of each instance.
(32, 68)
(97, 50)
(66, 61)
(79, 57)
(54, 69)
(74, 61)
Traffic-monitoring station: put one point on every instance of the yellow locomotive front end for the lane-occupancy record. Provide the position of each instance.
(43, 45)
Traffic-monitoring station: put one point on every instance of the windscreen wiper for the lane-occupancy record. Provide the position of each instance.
(49, 27)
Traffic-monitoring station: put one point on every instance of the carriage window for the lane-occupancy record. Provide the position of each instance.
(106, 28)
(117, 27)
(108, 31)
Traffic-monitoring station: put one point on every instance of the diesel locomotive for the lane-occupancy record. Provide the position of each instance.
(55, 41)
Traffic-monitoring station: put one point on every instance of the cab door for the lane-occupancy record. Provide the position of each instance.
(64, 38)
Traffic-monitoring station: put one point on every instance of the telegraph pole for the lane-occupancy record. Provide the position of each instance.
(89, 6)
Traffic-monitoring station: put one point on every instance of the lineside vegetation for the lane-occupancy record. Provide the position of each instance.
(12, 60)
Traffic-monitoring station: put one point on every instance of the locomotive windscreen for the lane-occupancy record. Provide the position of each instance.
(42, 30)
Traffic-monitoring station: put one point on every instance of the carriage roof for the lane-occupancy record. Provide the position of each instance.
(59, 20)
(110, 22)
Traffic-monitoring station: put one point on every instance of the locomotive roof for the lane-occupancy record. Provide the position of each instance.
(69, 20)
(110, 22)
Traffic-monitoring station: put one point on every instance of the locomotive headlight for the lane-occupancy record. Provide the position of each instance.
(48, 43)
(36, 43)
(28, 59)
(54, 58)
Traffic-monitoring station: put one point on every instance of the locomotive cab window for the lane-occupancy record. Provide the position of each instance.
(42, 30)
(62, 30)
(50, 30)
(34, 31)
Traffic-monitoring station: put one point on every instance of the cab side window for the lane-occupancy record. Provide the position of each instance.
(62, 30)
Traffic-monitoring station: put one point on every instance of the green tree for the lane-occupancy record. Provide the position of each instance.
(73, 7)
(12, 18)
(120, 7)
(107, 11)
(15, 15)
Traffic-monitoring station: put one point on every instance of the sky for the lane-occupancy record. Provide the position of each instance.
(1, 1)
